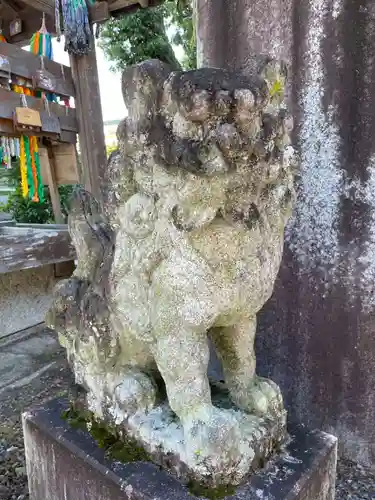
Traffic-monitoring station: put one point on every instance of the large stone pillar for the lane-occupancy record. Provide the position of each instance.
(317, 334)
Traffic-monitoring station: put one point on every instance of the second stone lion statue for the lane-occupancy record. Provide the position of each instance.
(188, 243)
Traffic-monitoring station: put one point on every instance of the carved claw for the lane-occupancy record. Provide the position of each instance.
(262, 397)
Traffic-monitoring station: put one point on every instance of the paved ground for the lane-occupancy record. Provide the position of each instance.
(33, 369)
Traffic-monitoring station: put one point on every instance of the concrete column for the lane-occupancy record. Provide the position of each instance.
(317, 334)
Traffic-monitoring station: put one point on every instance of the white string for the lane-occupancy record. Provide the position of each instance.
(23, 100)
(46, 104)
(43, 28)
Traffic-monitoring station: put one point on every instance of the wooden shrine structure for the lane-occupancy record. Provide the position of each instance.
(25, 247)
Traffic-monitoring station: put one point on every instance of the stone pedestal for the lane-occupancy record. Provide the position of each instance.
(66, 464)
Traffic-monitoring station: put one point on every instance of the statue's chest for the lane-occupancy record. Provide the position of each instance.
(237, 254)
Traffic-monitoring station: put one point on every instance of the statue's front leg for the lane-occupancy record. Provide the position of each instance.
(184, 308)
(182, 358)
(211, 434)
(235, 347)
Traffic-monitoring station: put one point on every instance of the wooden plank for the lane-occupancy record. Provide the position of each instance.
(122, 4)
(90, 121)
(7, 128)
(25, 248)
(10, 100)
(119, 8)
(66, 136)
(66, 121)
(65, 167)
(126, 7)
(66, 164)
(44, 227)
(11, 7)
(25, 64)
(46, 6)
(31, 22)
(52, 186)
(64, 269)
(99, 12)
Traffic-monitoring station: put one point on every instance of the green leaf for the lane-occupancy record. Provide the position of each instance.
(143, 35)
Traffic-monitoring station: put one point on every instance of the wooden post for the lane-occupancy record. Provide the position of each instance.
(90, 121)
(52, 185)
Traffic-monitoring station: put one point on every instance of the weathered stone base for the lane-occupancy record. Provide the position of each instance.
(162, 435)
(66, 464)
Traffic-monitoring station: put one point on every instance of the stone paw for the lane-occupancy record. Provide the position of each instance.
(213, 437)
(262, 398)
(133, 392)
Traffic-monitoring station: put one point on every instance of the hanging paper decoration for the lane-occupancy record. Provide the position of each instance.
(23, 168)
(5, 152)
(31, 180)
(2, 37)
(41, 41)
(41, 44)
(21, 86)
(9, 150)
(77, 30)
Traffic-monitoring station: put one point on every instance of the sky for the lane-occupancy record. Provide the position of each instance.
(113, 106)
(110, 83)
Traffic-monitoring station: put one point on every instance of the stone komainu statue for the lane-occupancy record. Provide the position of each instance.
(188, 243)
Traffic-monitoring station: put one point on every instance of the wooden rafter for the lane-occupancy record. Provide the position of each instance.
(46, 6)
(124, 7)
(11, 6)
(114, 6)
(30, 12)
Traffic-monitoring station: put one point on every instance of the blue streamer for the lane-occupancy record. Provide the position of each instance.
(77, 30)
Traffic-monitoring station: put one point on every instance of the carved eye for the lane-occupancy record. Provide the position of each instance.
(199, 109)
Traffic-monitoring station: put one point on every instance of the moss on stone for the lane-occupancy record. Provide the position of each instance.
(106, 437)
(198, 490)
(75, 419)
(128, 450)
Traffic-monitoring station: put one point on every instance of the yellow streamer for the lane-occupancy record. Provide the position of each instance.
(35, 145)
(23, 168)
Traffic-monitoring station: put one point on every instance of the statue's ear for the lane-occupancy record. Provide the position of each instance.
(142, 85)
(275, 72)
(82, 202)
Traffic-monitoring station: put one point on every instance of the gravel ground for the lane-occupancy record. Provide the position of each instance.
(13, 480)
(54, 383)
(353, 481)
